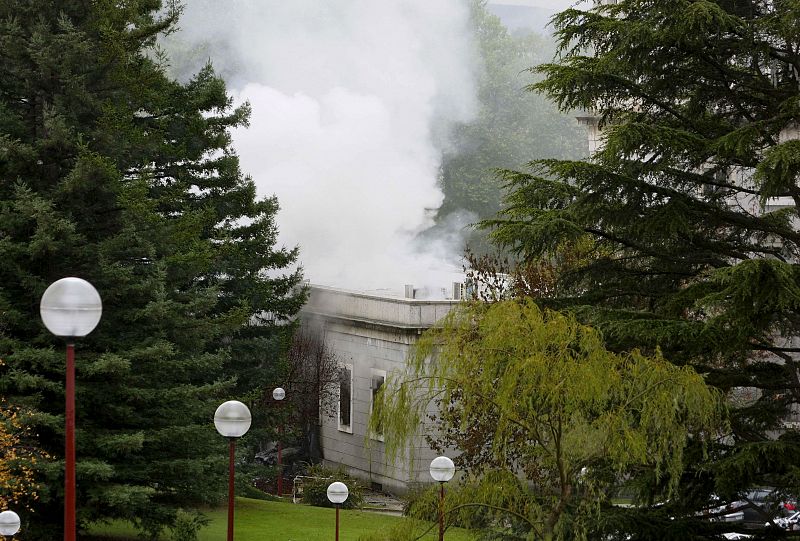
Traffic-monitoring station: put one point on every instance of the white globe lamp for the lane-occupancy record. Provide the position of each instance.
(337, 493)
(71, 307)
(9, 523)
(442, 469)
(232, 419)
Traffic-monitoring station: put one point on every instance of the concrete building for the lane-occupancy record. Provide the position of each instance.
(371, 335)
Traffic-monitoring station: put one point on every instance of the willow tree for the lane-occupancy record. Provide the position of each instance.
(569, 419)
(690, 206)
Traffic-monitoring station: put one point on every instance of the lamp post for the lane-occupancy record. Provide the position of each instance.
(70, 308)
(232, 420)
(278, 394)
(337, 494)
(442, 470)
(9, 523)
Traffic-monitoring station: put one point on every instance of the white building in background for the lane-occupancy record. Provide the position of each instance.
(371, 334)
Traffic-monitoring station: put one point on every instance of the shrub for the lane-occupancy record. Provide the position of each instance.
(423, 503)
(315, 491)
(254, 492)
(187, 524)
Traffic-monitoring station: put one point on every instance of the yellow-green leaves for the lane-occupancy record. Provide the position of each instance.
(561, 407)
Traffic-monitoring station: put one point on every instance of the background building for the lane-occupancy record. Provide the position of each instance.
(370, 335)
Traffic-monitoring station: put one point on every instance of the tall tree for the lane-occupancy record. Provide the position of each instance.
(690, 213)
(113, 172)
(546, 416)
(313, 380)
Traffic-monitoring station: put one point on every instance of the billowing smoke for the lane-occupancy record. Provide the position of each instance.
(346, 97)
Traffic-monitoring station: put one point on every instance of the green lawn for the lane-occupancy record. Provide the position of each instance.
(258, 520)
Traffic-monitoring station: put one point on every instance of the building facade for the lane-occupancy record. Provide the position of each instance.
(370, 335)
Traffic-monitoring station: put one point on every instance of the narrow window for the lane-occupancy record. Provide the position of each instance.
(345, 398)
(377, 381)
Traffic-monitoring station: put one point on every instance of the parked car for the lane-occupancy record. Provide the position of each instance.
(757, 506)
(790, 523)
(725, 513)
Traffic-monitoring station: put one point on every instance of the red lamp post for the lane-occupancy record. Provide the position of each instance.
(232, 420)
(337, 494)
(278, 394)
(70, 308)
(442, 470)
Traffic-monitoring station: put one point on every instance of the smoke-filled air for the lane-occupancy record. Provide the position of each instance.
(346, 100)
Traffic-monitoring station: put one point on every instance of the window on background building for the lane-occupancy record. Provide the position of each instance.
(346, 398)
(377, 381)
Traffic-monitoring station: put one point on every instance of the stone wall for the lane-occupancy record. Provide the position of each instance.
(372, 335)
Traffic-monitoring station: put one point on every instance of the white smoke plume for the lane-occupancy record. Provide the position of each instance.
(346, 95)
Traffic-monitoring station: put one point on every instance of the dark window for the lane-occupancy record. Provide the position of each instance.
(345, 395)
(377, 383)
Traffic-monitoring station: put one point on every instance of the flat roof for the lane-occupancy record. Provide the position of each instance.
(375, 309)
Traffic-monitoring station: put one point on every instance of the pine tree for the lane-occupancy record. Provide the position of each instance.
(113, 172)
(686, 218)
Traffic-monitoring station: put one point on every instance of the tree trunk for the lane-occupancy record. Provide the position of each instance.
(312, 446)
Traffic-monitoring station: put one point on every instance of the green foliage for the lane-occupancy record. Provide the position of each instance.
(188, 524)
(460, 509)
(247, 473)
(697, 102)
(315, 490)
(113, 172)
(569, 418)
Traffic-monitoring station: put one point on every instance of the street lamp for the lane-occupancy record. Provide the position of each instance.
(232, 420)
(9, 523)
(70, 308)
(278, 394)
(442, 470)
(337, 494)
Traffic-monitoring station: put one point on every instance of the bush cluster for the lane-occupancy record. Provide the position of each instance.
(315, 491)
(188, 524)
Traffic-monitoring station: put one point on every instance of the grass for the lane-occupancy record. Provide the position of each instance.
(258, 520)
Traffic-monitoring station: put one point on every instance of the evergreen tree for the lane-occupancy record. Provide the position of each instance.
(686, 219)
(113, 172)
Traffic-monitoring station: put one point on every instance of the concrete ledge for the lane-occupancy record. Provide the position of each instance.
(378, 311)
